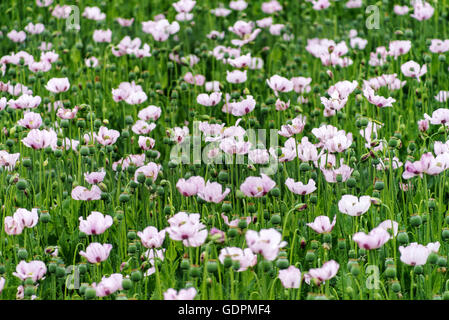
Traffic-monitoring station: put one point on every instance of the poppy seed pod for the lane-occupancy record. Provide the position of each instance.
(416, 220)
(275, 219)
(136, 276)
(90, 293)
(403, 238)
(22, 254)
(390, 272)
(195, 272)
(310, 256)
(212, 266)
(282, 263)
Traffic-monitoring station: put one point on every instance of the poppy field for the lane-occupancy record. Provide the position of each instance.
(224, 150)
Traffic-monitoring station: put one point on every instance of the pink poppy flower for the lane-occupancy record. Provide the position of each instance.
(34, 28)
(413, 70)
(108, 285)
(96, 223)
(376, 100)
(93, 13)
(8, 160)
(35, 270)
(94, 177)
(84, 194)
(353, 206)
(96, 252)
(422, 10)
(149, 113)
(25, 101)
(150, 170)
(40, 139)
(259, 156)
(27, 218)
(209, 100)
(31, 120)
(245, 257)
(57, 85)
(16, 36)
(439, 116)
(183, 294)
(257, 186)
(187, 228)
(142, 127)
(197, 80)
(107, 136)
(191, 186)
(290, 277)
(146, 143)
(212, 192)
(13, 226)
(416, 254)
(151, 238)
(299, 187)
(102, 35)
(374, 240)
(400, 10)
(279, 84)
(236, 76)
(326, 272)
(423, 125)
(322, 224)
(125, 22)
(266, 242)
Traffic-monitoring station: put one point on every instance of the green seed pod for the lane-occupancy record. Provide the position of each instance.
(445, 234)
(327, 238)
(22, 254)
(29, 291)
(282, 263)
(127, 284)
(416, 220)
(242, 224)
(341, 244)
(226, 207)
(276, 219)
(418, 270)
(379, 185)
(310, 256)
(275, 192)
(60, 272)
(227, 262)
(22, 184)
(351, 182)
(395, 286)
(442, 262)
(433, 258)
(403, 238)
(185, 264)
(124, 197)
(232, 233)
(212, 266)
(223, 177)
(90, 293)
(136, 276)
(195, 272)
(390, 272)
(314, 244)
(355, 269)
